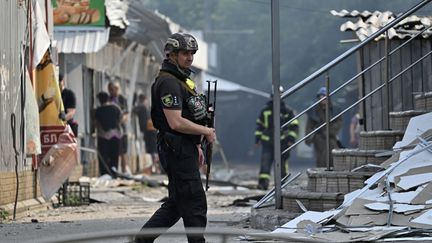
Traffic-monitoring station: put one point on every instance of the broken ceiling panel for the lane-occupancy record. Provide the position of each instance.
(358, 208)
(416, 126)
(357, 234)
(408, 182)
(425, 218)
(368, 23)
(425, 197)
(398, 208)
(413, 171)
(313, 216)
(406, 197)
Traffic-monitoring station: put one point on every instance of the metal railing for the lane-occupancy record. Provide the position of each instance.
(325, 70)
(172, 235)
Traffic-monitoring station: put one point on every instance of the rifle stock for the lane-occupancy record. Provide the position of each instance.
(211, 109)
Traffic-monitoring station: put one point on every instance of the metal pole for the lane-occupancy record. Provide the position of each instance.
(386, 96)
(362, 92)
(276, 100)
(327, 114)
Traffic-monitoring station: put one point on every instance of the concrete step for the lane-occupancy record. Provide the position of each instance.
(348, 159)
(315, 201)
(399, 119)
(322, 180)
(423, 102)
(379, 140)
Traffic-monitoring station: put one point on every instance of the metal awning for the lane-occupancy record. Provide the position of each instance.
(80, 40)
(229, 86)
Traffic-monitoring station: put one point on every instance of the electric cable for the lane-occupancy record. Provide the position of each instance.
(13, 125)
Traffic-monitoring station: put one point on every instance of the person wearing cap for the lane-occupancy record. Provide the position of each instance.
(178, 113)
(317, 117)
(264, 137)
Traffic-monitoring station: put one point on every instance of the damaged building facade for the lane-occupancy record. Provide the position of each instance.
(126, 46)
(17, 179)
(129, 51)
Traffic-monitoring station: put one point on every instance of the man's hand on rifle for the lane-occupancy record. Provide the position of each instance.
(211, 135)
(201, 158)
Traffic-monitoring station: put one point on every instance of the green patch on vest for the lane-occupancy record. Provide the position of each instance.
(167, 100)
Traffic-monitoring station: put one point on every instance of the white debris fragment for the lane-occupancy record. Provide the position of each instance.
(416, 126)
(398, 208)
(316, 217)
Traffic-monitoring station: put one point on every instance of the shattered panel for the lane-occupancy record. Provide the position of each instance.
(368, 23)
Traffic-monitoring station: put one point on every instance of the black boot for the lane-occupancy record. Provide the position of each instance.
(263, 184)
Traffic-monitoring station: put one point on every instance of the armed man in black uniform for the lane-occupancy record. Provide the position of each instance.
(179, 114)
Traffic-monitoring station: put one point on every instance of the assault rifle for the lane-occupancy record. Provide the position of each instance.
(211, 109)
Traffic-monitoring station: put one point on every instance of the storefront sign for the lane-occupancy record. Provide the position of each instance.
(79, 12)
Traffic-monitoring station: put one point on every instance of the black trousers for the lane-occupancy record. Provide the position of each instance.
(186, 196)
(267, 158)
(108, 153)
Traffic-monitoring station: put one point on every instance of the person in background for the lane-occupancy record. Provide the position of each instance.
(317, 117)
(264, 137)
(107, 117)
(355, 130)
(69, 103)
(149, 132)
(117, 98)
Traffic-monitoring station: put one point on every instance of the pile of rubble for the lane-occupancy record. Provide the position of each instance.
(395, 204)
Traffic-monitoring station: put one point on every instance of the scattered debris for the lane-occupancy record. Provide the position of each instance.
(395, 203)
(270, 194)
(247, 201)
(139, 178)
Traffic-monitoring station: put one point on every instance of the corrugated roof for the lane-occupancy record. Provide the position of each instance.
(116, 12)
(147, 28)
(80, 40)
(369, 22)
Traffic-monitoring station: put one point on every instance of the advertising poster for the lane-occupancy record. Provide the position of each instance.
(79, 12)
(59, 148)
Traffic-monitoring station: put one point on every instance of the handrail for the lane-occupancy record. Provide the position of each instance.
(355, 103)
(355, 77)
(353, 49)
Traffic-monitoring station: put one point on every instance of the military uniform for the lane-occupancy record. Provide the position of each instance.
(264, 135)
(178, 155)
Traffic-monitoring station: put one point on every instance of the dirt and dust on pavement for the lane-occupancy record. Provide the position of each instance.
(229, 198)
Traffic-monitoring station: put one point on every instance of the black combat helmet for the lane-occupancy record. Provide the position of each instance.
(180, 41)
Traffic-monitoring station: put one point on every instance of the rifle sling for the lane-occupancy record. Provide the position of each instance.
(164, 73)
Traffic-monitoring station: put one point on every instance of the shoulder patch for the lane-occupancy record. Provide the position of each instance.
(168, 100)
